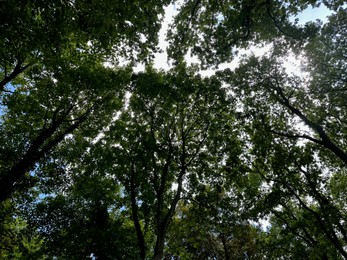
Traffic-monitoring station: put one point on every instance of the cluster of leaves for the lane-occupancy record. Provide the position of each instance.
(17, 240)
(106, 163)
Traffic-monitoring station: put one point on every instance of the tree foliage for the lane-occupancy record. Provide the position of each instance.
(172, 122)
(101, 162)
(40, 32)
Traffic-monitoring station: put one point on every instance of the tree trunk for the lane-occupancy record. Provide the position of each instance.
(134, 209)
(40, 146)
(159, 246)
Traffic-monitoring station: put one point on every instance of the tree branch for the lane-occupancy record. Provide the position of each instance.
(296, 136)
(16, 71)
(325, 139)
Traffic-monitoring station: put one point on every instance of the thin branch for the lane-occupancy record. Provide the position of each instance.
(308, 240)
(296, 136)
(16, 71)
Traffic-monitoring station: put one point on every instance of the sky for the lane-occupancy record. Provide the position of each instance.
(160, 61)
(311, 14)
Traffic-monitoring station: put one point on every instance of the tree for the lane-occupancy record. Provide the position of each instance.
(298, 164)
(77, 209)
(41, 115)
(168, 130)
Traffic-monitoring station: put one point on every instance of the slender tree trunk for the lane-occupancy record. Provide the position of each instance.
(159, 246)
(225, 247)
(163, 222)
(134, 210)
(100, 223)
(161, 229)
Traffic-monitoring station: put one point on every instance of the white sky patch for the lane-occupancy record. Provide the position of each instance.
(312, 14)
(263, 223)
(174, 186)
(292, 64)
(139, 68)
(161, 59)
